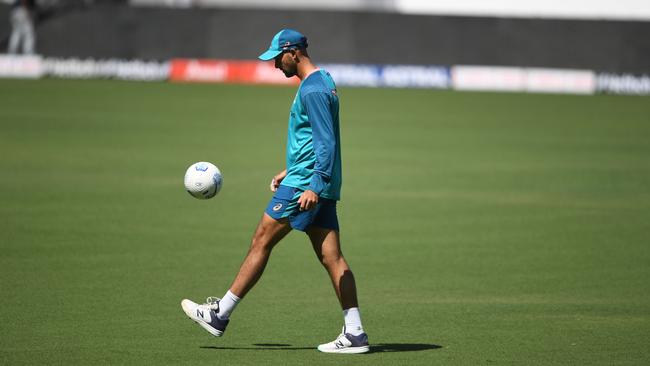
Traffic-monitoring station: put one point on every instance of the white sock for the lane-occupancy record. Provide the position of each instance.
(352, 321)
(227, 305)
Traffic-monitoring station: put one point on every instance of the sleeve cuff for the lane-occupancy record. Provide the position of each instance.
(318, 183)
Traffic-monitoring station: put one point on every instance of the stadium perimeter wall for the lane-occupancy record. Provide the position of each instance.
(124, 32)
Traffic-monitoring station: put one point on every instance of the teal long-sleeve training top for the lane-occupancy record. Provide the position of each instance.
(313, 140)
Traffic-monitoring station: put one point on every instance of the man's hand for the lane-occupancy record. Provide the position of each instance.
(307, 200)
(275, 182)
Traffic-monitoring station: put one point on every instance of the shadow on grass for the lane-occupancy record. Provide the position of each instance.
(375, 348)
(264, 347)
(402, 347)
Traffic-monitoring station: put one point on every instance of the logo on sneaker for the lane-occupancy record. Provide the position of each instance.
(339, 344)
(277, 207)
(199, 313)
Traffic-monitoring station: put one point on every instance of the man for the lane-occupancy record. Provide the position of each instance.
(305, 197)
(22, 26)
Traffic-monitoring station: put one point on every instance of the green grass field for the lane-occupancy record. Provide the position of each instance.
(482, 228)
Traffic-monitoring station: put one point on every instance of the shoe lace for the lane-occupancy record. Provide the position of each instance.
(212, 303)
(342, 335)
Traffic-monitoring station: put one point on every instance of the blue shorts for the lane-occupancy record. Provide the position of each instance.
(284, 204)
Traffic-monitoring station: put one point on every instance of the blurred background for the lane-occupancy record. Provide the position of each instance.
(575, 46)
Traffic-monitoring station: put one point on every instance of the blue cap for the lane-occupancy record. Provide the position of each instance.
(282, 41)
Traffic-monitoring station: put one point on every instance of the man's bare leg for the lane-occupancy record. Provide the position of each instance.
(268, 233)
(327, 246)
(214, 315)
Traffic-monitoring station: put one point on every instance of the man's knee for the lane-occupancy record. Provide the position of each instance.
(332, 260)
(261, 239)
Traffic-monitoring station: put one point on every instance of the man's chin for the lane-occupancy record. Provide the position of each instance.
(288, 74)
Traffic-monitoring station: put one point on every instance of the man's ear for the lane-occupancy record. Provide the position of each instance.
(294, 55)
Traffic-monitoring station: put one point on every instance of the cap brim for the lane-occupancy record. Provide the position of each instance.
(269, 55)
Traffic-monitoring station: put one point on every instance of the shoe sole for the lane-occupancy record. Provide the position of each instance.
(201, 322)
(348, 350)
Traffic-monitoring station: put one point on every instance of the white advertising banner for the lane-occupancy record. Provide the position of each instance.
(26, 67)
(520, 79)
(106, 69)
(488, 78)
(560, 81)
(623, 84)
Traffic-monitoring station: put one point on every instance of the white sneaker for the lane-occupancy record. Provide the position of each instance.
(206, 315)
(347, 343)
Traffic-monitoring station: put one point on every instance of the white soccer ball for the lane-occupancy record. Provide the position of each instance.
(203, 180)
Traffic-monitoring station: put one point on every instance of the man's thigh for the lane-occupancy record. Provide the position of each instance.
(326, 242)
(270, 230)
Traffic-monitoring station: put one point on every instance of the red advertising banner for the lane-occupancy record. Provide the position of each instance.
(227, 71)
